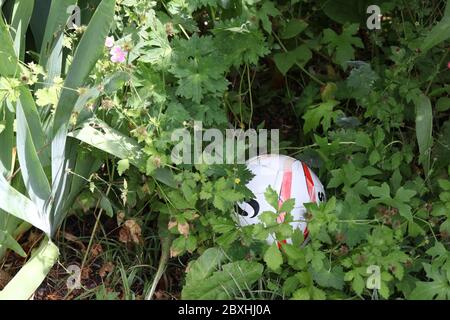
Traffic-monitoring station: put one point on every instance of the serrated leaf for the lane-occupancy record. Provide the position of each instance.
(273, 257)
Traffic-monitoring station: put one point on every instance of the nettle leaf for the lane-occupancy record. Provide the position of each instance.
(342, 46)
(320, 114)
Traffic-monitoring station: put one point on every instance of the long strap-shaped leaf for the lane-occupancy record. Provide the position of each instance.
(33, 174)
(9, 64)
(439, 33)
(18, 205)
(31, 275)
(86, 55)
(22, 11)
(56, 21)
(424, 130)
(101, 136)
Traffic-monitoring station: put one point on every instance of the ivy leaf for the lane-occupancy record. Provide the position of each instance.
(273, 257)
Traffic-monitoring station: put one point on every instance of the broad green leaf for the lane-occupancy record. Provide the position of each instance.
(286, 60)
(229, 283)
(438, 288)
(424, 130)
(205, 265)
(32, 274)
(293, 28)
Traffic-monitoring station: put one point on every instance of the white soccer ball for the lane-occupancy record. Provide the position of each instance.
(291, 178)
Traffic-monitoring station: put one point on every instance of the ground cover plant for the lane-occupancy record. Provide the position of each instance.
(92, 205)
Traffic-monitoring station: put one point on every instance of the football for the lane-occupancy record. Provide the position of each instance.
(291, 178)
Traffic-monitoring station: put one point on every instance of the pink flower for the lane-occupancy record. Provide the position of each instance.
(448, 65)
(109, 42)
(118, 55)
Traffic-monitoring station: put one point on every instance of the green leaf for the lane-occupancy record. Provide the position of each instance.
(438, 288)
(32, 274)
(273, 257)
(439, 33)
(9, 66)
(313, 117)
(424, 129)
(19, 206)
(33, 174)
(56, 22)
(228, 283)
(286, 60)
(111, 141)
(122, 166)
(105, 204)
(333, 278)
(271, 197)
(21, 16)
(287, 206)
(87, 53)
(342, 45)
(204, 266)
(10, 243)
(293, 28)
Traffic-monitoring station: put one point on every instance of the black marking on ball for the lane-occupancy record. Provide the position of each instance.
(321, 196)
(254, 204)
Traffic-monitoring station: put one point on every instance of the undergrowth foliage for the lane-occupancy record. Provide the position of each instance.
(368, 110)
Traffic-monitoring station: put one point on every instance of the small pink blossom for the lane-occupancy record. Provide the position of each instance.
(109, 42)
(448, 65)
(118, 55)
